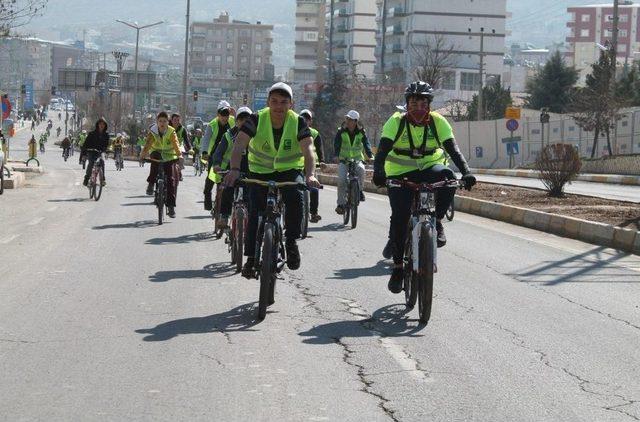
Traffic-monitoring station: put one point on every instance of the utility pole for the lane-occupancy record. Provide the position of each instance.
(614, 60)
(186, 64)
(331, 9)
(383, 39)
(480, 93)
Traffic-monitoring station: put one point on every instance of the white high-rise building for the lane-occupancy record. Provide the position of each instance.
(310, 41)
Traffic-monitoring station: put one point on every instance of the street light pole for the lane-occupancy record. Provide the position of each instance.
(186, 64)
(135, 72)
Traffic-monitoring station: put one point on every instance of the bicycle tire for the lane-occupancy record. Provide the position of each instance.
(410, 280)
(1, 179)
(239, 238)
(304, 230)
(92, 190)
(266, 270)
(160, 200)
(450, 211)
(98, 184)
(426, 248)
(355, 201)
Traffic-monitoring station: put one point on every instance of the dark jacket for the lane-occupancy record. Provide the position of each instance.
(97, 140)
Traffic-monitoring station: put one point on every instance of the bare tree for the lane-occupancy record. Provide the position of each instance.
(17, 13)
(433, 58)
(558, 164)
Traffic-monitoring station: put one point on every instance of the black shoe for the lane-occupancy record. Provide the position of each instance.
(396, 281)
(208, 204)
(315, 218)
(293, 255)
(442, 239)
(387, 252)
(150, 189)
(362, 198)
(340, 210)
(247, 269)
(171, 212)
(86, 181)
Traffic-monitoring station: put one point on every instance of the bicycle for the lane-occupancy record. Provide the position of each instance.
(95, 186)
(420, 263)
(65, 154)
(215, 210)
(198, 165)
(117, 157)
(160, 190)
(269, 242)
(353, 194)
(237, 227)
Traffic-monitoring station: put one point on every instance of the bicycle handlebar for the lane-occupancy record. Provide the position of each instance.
(276, 184)
(428, 186)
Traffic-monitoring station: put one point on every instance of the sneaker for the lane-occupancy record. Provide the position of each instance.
(293, 255)
(103, 183)
(247, 269)
(396, 281)
(171, 212)
(441, 238)
(150, 189)
(222, 223)
(340, 210)
(387, 252)
(362, 198)
(315, 218)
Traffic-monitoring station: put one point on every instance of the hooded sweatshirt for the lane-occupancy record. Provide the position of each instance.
(97, 140)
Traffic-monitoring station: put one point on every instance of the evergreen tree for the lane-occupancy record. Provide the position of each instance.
(326, 106)
(553, 86)
(495, 100)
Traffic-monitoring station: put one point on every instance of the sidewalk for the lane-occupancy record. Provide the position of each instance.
(532, 174)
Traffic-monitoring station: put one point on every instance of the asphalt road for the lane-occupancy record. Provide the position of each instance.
(106, 316)
(602, 190)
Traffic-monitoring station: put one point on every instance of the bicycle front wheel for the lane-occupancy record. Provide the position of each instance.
(355, 201)
(1, 180)
(450, 211)
(238, 238)
(426, 246)
(304, 230)
(267, 269)
(98, 184)
(160, 200)
(410, 279)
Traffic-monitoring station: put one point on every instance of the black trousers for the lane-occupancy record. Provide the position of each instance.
(400, 200)
(314, 200)
(226, 201)
(92, 156)
(208, 184)
(293, 201)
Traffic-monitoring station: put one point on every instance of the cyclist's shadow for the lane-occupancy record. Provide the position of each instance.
(388, 321)
(240, 318)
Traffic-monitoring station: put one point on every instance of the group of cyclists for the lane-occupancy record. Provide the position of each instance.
(277, 144)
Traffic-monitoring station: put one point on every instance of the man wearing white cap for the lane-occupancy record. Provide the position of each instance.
(318, 149)
(212, 136)
(221, 159)
(279, 149)
(350, 143)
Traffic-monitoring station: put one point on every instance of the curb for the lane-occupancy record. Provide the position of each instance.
(16, 181)
(597, 178)
(586, 231)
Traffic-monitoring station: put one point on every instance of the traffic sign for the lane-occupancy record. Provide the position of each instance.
(512, 113)
(512, 148)
(511, 139)
(479, 152)
(6, 107)
(512, 125)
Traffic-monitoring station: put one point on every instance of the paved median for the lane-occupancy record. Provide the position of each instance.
(617, 179)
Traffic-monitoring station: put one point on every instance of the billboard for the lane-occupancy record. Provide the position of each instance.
(28, 102)
(72, 79)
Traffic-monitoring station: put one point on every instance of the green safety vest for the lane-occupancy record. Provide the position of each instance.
(349, 150)
(163, 145)
(196, 142)
(181, 135)
(141, 141)
(226, 159)
(215, 127)
(263, 157)
(81, 139)
(314, 135)
(398, 164)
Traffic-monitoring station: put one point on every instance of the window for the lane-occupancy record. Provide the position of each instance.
(229, 45)
(586, 18)
(243, 47)
(469, 81)
(209, 46)
(230, 59)
(608, 18)
(210, 32)
(217, 59)
(310, 36)
(243, 60)
(258, 60)
(258, 47)
(230, 33)
(218, 46)
(209, 59)
(624, 18)
(449, 81)
(584, 32)
(622, 33)
(622, 48)
(244, 33)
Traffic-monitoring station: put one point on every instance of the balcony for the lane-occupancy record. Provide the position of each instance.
(396, 12)
(342, 28)
(342, 13)
(198, 34)
(197, 49)
(395, 30)
(397, 48)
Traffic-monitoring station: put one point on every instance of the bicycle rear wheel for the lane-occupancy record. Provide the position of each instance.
(304, 230)
(355, 201)
(98, 184)
(425, 274)
(1, 179)
(238, 238)
(267, 269)
(410, 280)
(160, 200)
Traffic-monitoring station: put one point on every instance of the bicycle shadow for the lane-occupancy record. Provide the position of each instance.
(381, 268)
(198, 217)
(139, 197)
(134, 204)
(388, 321)
(326, 228)
(69, 200)
(211, 271)
(196, 237)
(133, 225)
(240, 318)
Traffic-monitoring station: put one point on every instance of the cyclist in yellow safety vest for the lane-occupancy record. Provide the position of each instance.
(351, 142)
(318, 149)
(212, 136)
(183, 137)
(279, 149)
(162, 143)
(221, 159)
(412, 147)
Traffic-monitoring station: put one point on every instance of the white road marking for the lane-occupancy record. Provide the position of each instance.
(35, 221)
(8, 239)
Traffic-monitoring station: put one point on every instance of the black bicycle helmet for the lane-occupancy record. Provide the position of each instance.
(419, 89)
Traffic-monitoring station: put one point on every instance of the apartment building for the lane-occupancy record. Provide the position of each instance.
(310, 41)
(351, 30)
(591, 29)
(229, 59)
(407, 27)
